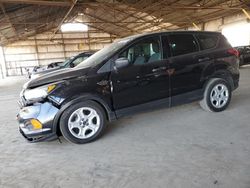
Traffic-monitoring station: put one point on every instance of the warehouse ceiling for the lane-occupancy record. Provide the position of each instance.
(21, 19)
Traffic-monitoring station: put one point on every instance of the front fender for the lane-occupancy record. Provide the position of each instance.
(109, 113)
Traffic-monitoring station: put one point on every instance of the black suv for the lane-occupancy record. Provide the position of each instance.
(134, 74)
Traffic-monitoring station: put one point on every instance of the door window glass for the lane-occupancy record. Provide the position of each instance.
(181, 44)
(207, 41)
(145, 51)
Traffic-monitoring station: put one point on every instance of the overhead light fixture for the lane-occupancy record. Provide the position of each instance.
(74, 27)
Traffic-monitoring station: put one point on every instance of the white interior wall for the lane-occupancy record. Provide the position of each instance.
(237, 29)
(236, 34)
(213, 25)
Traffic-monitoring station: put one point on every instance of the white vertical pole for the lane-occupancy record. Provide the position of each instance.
(2, 62)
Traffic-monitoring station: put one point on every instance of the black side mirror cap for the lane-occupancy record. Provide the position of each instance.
(121, 62)
(71, 65)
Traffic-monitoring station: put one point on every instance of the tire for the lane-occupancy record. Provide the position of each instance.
(83, 122)
(216, 100)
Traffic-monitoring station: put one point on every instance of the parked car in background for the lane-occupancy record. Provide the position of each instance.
(134, 74)
(244, 53)
(55, 64)
(69, 63)
(42, 68)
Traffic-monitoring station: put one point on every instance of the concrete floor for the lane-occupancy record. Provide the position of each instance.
(179, 147)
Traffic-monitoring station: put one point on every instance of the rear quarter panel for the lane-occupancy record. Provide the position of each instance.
(225, 66)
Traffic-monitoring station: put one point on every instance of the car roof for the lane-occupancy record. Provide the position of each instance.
(171, 32)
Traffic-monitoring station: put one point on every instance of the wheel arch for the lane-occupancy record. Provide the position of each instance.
(110, 115)
(207, 103)
(222, 73)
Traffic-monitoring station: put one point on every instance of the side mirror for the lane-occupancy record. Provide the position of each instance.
(71, 65)
(121, 62)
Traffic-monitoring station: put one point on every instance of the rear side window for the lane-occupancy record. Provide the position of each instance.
(181, 44)
(224, 42)
(207, 41)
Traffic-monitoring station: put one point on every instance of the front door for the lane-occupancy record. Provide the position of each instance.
(146, 79)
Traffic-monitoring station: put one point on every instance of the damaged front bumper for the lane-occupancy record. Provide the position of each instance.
(36, 122)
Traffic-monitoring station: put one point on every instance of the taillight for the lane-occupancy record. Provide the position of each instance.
(233, 52)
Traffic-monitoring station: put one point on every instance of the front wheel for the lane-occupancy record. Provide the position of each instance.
(83, 122)
(217, 95)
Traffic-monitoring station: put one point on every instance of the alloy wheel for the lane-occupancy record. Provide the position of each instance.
(219, 95)
(84, 122)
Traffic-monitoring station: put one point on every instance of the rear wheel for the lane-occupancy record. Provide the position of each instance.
(217, 95)
(83, 122)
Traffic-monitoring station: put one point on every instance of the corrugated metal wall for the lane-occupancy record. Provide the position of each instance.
(39, 50)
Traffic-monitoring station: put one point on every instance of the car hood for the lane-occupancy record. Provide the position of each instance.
(55, 76)
(42, 71)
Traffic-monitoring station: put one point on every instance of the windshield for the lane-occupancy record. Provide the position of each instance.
(104, 53)
(66, 61)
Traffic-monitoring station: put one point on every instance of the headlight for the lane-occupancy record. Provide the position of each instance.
(38, 94)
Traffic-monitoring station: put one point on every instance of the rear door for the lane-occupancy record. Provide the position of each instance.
(209, 50)
(192, 58)
(183, 65)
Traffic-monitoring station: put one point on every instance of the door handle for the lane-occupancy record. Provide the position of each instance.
(203, 59)
(159, 69)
